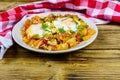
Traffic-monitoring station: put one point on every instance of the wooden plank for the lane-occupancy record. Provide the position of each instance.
(79, 71)
(110, 27)
(26, 72)
(85, 56)
(87, 65)
(106, 40)
(95, 71)
(17, 51)
(8, 5)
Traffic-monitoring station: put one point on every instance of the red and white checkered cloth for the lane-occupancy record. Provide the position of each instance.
(99, 11)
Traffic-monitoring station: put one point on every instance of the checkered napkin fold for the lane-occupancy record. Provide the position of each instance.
(98, 11)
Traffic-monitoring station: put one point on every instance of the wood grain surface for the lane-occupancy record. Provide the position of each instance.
(98, 61)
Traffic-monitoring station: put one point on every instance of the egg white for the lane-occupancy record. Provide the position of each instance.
(65, 24)
(34, 29)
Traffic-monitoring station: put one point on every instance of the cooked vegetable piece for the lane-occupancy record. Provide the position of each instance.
(27, 24)
(91, 31)
(62, 46)
(83, 32)
(86, 37)
(52, 42)
(72, 42)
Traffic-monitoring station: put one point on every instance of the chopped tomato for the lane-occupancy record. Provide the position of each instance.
(27, 24)
(43, 41)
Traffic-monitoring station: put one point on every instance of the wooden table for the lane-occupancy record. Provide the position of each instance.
(98, 61)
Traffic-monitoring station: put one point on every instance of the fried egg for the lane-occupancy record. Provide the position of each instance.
(34, 29)
(65, 23)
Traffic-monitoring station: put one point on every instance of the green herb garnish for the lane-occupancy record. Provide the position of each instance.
(65, 18)
(44, 26)
(72, 31)
(81, 35)
(61, 30)
(31, 22)
(75, 22)
(53, 14)
(85, 26)
(81, 27)
(70, 36)
(44, 34)
(36, 36)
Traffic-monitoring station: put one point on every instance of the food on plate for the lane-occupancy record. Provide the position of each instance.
(55, 32)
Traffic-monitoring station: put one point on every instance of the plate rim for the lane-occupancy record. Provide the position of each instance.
(58, 51)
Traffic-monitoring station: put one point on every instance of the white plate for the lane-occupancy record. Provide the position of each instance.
(16, 34)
